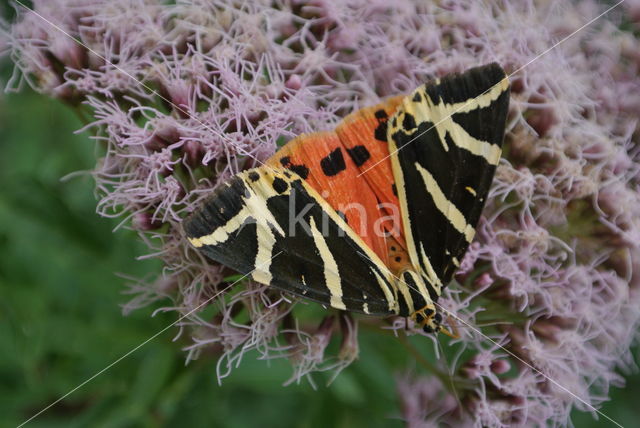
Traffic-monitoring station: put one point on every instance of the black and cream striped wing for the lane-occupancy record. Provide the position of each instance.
(273, 226)
(445, 142)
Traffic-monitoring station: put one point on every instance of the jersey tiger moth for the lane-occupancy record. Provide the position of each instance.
(375, 216)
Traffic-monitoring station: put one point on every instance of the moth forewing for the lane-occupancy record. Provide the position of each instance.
(444, 143)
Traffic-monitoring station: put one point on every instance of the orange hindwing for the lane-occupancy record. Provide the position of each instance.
(335, 164)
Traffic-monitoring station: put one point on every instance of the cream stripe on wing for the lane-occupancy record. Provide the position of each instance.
(391, 300)
(446, 207)
(422, 288)
(435, 282)
(398, 175)
(481, 101)
(254, 206)
(441, 117)
(262, 265)
(462, 139)
(221, 233)
(331, 274)
(404, 289)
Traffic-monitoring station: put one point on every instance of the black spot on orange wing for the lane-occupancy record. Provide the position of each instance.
(381, 114)
(333, 163)
(368, 127)
(380, 133)
(359, 154)
(394, 189)
(301, 170)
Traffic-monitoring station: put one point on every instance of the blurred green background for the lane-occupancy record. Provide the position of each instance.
(60, 320)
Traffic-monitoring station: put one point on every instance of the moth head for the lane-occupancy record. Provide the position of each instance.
(429, 319)
(423, 298)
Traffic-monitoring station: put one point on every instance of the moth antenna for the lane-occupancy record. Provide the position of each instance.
(453, 335)
(460, 326)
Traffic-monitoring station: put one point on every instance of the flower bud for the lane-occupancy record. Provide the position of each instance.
(349, 346)
(500, 366)
(193, 152)
(294, 82)
(144, 221)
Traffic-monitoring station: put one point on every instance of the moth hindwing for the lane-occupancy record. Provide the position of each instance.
(417, 168)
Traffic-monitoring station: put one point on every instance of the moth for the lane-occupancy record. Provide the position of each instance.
(375, 216)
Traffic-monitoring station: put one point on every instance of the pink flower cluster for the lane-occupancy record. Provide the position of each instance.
(182, 95)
